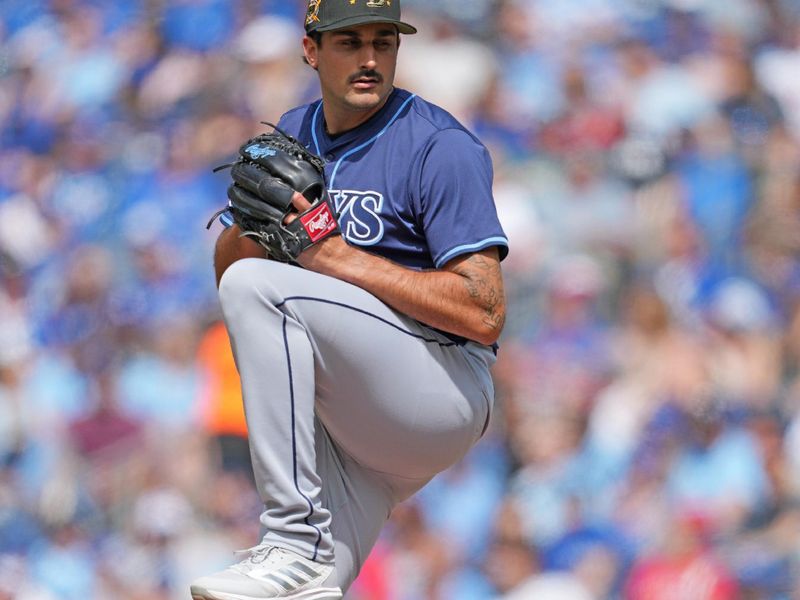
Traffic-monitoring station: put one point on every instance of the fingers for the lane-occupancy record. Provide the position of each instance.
(301, 205)
(300, 202)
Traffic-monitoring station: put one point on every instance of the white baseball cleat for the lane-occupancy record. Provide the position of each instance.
(268, 572)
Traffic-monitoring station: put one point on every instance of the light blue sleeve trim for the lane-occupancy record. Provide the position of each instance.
(226, 219)
(492, 241)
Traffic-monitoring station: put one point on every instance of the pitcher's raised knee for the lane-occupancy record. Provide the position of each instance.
(247, 281)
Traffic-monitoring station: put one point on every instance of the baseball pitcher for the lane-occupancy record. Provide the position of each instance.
(365, 338)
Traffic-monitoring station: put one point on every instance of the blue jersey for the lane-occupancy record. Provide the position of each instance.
(410, 184)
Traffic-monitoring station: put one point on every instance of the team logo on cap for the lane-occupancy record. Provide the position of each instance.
(312, 15)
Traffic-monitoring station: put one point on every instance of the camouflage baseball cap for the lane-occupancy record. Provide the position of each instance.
(326, 15)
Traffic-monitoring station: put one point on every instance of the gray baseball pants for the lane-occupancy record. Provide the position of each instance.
(351, 406)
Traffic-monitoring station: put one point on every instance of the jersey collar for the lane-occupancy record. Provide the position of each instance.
(327, 145)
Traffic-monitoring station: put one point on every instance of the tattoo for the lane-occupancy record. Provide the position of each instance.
(481, 276)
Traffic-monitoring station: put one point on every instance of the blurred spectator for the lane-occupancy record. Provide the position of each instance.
(563, 356)
(683, 567)
(513, 566)
(64, 563)
(717, 189)
(198, 24)
(717, 476)
(16, 583)
(162, 383)
(528, 76)
(266, 63)
(419, 559)
(745, 361)
(751, 110)
(462, 67)
(658, 99)
(222, 409)
(588, 121)
(775, 64)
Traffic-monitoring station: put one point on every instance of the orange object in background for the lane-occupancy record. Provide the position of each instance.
(222, 411)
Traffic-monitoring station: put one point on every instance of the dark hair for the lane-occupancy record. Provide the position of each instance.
(316, 36)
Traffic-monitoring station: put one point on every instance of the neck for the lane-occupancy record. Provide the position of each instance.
(339, 119)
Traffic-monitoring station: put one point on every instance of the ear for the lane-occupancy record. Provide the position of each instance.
(310, 50)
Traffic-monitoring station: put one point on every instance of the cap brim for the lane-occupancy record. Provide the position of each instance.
(361, 20)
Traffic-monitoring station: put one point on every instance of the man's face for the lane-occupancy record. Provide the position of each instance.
(356, 65)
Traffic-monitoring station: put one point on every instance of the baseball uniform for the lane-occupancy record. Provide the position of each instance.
(352, 406)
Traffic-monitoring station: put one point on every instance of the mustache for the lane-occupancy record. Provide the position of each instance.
(369, 73)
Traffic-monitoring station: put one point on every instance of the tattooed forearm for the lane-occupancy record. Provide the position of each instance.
(484, 283)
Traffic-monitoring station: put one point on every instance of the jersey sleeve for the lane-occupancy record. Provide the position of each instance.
(456, 204)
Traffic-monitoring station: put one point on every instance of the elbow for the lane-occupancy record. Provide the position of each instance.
(486, 336)
(488, 327)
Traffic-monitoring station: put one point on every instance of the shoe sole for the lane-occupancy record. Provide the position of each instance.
(315, 594)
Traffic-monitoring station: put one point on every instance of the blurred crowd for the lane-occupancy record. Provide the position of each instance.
(646, 436)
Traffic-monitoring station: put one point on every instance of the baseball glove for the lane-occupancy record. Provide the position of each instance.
(269, 169)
